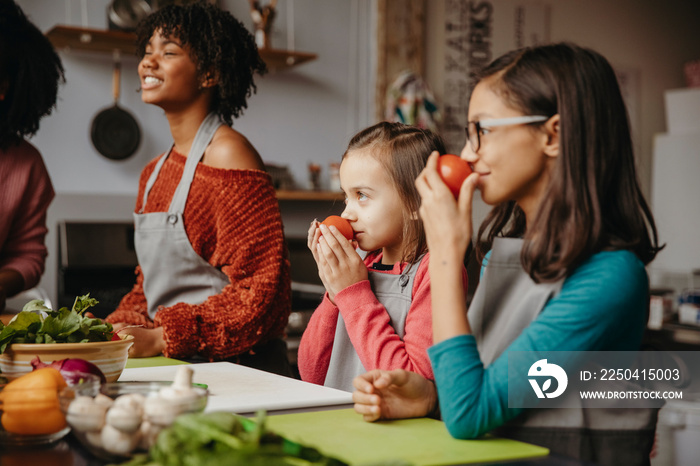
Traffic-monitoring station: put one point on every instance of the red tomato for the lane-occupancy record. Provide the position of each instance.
(453, 171)
(341, 224)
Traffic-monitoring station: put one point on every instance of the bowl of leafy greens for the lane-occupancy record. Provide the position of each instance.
(38, 331)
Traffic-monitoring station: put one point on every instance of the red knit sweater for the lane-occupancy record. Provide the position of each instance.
(232, 220)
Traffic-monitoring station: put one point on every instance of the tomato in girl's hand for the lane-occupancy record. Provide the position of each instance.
(341, 224)
(453, 171)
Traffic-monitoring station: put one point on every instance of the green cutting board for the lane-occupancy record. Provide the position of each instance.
(344, 435)
(132, 363)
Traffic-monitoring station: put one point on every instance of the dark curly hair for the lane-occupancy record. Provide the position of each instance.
(217, 41)
(32, 71)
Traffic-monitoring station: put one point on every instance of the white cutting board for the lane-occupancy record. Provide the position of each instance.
(243, 390)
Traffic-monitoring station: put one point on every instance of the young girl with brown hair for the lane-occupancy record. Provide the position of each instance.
(376, 312)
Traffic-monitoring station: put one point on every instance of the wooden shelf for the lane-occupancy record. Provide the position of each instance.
(98, 40)
(282, 59)
(94, 40)
(287, 195)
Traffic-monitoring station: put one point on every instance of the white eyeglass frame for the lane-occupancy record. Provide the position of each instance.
(496, 122)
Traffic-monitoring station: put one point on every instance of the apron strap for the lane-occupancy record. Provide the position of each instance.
(152, 179)
(204, 135)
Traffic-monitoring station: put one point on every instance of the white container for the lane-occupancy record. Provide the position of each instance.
(660, 308)
(689, 314)
(678, 434)
(675, 195)
(683, 110)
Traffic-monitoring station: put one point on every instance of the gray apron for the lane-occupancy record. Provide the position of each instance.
(395, 294)
(506, 301)
(172, 271)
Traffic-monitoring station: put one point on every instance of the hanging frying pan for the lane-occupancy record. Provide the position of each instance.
(115, 133)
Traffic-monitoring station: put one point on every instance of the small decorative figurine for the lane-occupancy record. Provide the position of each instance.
(262, 20)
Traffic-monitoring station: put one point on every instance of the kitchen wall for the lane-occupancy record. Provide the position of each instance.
(650, 38)
(308, 113)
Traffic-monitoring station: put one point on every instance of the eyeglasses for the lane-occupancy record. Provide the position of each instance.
(475, 129)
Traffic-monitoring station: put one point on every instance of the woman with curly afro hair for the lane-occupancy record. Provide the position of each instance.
(30, 72)
(213, 279)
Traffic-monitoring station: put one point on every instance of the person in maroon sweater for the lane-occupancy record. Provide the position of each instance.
(30, 72)
(213, 278)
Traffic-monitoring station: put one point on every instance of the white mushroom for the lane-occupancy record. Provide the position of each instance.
(149, 434)
(103, 400)
(160, 411)
(181, 392)
(84, 415)
(118, 442)
(125, 418)
(94, 438)
(130, 401)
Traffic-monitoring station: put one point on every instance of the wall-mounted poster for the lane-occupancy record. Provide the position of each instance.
(476, 31)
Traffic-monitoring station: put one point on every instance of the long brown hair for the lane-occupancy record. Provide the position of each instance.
(593, 201)
(402, 151)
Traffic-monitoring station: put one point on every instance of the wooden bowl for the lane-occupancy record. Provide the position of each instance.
(109, 356)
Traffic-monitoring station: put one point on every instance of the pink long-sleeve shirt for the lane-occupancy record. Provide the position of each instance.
(369, 328)
(25, 194)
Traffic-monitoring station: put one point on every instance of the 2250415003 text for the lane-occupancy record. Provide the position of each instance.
(632, 374)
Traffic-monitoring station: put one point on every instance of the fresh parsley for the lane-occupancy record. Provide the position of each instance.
(36, 323)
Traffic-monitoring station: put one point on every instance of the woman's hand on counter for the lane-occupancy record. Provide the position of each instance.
(395, 394)
(148, 342)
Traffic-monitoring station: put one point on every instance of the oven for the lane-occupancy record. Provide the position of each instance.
(96, 258)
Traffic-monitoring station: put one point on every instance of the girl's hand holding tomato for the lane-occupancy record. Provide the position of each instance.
(448, 224)
(339, 265)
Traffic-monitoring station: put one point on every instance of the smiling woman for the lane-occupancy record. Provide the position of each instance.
(213, 278)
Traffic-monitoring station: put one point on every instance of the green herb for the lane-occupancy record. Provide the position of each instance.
(61, 326)
(223, 439)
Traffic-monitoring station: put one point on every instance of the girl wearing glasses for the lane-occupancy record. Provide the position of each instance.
(567, 242)
(376, 312)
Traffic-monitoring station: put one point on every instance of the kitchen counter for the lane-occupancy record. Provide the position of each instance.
(309, 414)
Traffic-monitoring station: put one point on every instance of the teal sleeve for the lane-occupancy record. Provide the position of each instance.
(602, 306)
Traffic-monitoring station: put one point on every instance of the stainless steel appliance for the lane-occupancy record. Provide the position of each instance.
(96, 258)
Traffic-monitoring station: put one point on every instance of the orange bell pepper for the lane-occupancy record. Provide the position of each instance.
(30, 403)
